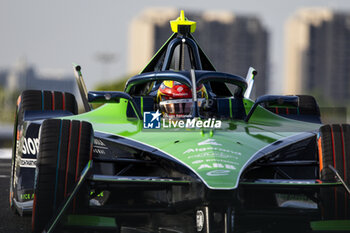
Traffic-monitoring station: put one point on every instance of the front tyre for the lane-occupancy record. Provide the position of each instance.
(65, 149)
(39, 101)
(334, 149)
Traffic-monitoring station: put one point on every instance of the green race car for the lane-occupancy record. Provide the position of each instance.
(157, 158)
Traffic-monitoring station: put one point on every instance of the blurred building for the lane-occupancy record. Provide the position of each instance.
(23, 76)
(3, 78)
(318, 54)
(232, 42)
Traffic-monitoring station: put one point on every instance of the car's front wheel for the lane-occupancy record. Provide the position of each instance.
(39, 102)
(334, 149)
(64, 150)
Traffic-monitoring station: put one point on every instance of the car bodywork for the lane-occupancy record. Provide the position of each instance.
(210, 179)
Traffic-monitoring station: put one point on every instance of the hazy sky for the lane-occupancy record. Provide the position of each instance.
(53, 34)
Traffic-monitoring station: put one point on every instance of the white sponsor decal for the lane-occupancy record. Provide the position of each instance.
(144, 179)
(220, 160)
(212, 149)
(209, 142)
(197, 161)
(30, 146)
(31, 163)
(217, 165)
(213, 154)
(214, 161)
(218, 173)
(98, 142)
(99, 151)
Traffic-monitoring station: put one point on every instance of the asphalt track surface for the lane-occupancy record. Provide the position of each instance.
(13, 223)
(9, 221)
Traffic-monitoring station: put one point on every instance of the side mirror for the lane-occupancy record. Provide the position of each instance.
(107, 96)
(288, 101)
(113, 97)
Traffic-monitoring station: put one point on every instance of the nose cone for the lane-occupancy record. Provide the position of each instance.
(217, 161)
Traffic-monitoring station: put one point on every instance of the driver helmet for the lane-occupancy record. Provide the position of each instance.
(175, 98)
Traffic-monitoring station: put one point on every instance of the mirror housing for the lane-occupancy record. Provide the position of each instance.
(107, 96)
(113, 97)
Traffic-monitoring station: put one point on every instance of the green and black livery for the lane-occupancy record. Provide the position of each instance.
(271, 162)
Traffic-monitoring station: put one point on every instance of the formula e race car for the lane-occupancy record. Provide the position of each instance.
(183, 149)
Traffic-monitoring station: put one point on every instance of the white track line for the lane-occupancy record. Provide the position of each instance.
(5, 153)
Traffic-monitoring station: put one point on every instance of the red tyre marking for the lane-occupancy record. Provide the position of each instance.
(33, 213)
(77, 162)
(276, 110)
(287, 111)
(53, 100)
(67, 164)
(320, 155)
(345, 177)
(343, 150)
(334, 165)
(333, 148)
(64, 101)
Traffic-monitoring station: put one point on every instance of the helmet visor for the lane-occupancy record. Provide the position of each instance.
(178, 107)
